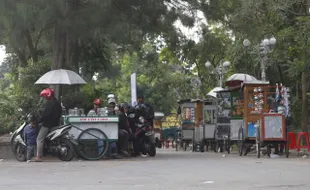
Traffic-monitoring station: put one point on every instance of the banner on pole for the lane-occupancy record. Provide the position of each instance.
(133, 89)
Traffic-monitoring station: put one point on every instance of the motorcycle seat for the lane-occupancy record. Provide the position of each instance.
(57, 127)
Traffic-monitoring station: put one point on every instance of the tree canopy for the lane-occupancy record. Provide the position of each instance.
(111, 39)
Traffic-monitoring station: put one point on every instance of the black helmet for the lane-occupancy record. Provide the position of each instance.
(124, 105)
(31, 118)
(140, 96)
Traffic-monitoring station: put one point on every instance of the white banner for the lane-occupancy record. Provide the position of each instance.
(133, 89)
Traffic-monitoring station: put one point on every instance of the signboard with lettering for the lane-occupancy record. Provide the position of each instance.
(170, 121)
(92, 119)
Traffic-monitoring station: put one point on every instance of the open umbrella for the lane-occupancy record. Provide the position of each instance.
(212, 93)
(238, 78)
(60, 76)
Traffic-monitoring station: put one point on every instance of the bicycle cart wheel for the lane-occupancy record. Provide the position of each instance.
(287, 149)
(215, 140)
(268, 150)
(93, 144)
(228, 143)
(258, 142)
(240, 142)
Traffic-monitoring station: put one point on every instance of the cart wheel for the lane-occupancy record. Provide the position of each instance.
(241, 142)
(215, 141)
(247, 148)
(184, 146)
(228, 143)
(177, 145)
(287, 149)
(202, 146)
(268, 150)
(258, 142)
(93, 144)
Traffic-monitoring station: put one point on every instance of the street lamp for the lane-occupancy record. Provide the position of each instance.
(220, 70)
(266, 47)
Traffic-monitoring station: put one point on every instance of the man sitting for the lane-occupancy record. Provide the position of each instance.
(97, 105)
(123, 131)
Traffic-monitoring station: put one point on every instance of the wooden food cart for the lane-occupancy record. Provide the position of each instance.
(209, 118)
(95, 134)
(260, 128)
(158, 130)
(187, 120)
(222, 132)
(237, 106)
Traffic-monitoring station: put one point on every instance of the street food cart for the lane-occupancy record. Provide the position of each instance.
(158, 130)
(222, 132)
(237, 106)
(209, 118)
(186, 114)
(260, 127)
(95, 134)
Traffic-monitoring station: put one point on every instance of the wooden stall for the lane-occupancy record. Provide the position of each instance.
(260, 126)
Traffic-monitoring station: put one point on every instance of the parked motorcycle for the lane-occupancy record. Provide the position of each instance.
(144, 138)
(58, 143)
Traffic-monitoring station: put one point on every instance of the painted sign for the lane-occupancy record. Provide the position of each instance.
(133, 89)
(170, 121)
(92, 119)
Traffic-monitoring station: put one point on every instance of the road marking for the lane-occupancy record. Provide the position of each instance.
(208, 182)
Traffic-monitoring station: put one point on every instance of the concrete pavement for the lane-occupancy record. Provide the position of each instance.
(168, 170)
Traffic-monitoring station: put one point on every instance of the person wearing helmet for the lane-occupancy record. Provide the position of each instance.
(111, 106)
(50, 118)
(148, 109)
(97, 105)
(123, 131)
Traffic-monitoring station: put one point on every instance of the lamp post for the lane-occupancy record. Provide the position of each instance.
(220, 70)
(266, 47)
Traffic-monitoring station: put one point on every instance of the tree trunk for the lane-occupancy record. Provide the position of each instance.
(59, 52)
(304, 89)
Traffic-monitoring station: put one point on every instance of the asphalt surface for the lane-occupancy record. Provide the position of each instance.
(168, 170)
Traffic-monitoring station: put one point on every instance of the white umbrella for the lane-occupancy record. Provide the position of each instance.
(213, 92)
(61, 76)
(237, 78)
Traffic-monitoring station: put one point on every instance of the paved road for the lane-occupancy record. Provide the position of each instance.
(169, 170)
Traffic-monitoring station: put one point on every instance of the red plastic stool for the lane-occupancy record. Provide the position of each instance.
(167, 143)
(292, 140)
(307, 146)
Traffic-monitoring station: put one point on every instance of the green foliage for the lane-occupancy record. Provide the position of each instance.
(113, 39)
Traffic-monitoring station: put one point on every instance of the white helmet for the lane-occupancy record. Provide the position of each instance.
(111, 96)
(111, 100)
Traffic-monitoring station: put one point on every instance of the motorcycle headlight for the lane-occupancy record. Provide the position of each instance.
(132, 115)
(141, 119)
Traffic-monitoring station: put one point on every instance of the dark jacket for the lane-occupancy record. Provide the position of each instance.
(145, 110)
(30, 135)
(123, 122)
(51, 114)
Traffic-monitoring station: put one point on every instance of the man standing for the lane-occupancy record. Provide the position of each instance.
(50, 118)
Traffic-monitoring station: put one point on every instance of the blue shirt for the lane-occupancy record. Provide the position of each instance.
(30, 135)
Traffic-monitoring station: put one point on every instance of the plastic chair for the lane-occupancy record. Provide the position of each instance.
(307, 146)
(292, 140)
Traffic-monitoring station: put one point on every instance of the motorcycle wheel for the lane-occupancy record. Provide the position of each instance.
(70, 150)
(152, 152)
(20, 152)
